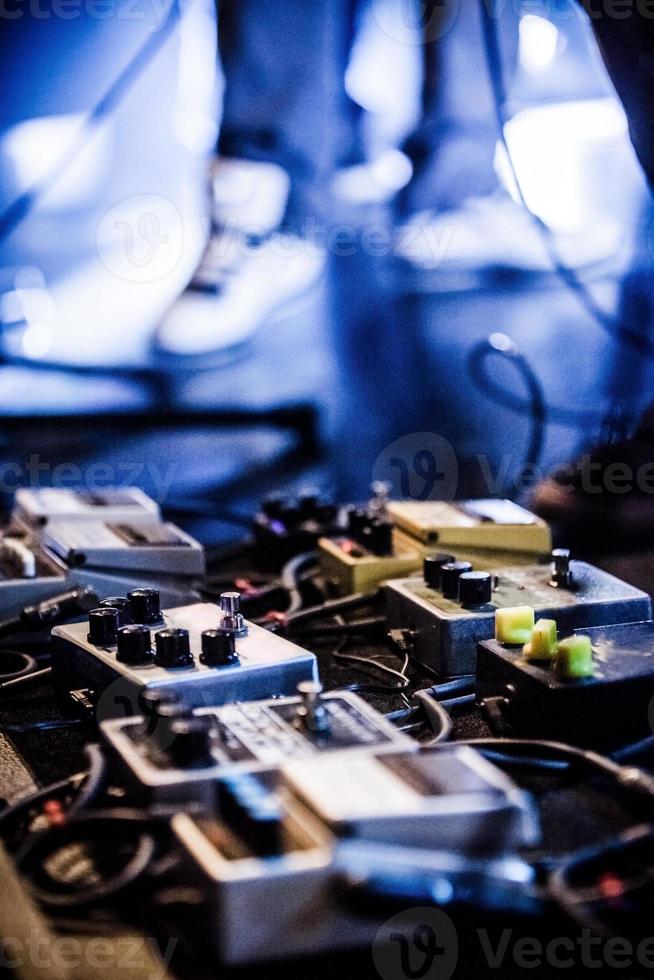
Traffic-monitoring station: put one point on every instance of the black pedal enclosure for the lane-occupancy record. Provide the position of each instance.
(613, 708)
(285, 528)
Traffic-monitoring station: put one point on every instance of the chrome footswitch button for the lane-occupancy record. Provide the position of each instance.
(230, 604)
(312, 713)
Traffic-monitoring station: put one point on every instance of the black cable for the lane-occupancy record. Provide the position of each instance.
(290, 577)
(437, 716)
(19, 209)
(583, 903)
(85, 784)
(329, 608)
(458, 685)
(10, 626)
(618, 332)
(464, 701)
(629, 778)
(35, 857)
(358, 626)
(206, 509)
(26, 680)
(506, 398)
(538, 412)
(628, 751)
(15, 665)
(54, 725)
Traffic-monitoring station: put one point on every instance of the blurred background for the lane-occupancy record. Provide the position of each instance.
(278, 245)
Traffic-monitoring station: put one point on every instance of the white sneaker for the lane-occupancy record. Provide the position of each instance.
(496, 231)
(237, 288)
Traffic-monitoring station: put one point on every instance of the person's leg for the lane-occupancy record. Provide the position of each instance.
(453, 147)
(284, 63)
(627, 45)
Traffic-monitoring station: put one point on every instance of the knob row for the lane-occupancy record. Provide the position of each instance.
(172, 646)
(457, 580)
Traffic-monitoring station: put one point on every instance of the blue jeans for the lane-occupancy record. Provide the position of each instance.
(285, 101)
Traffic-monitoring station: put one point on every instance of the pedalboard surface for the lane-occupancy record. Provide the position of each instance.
(444, 630)
(614, 706)
(203, 653)
(245, 737)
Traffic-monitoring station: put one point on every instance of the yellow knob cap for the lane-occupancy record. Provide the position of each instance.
(542, 645)
(514, 625)
(574, 658)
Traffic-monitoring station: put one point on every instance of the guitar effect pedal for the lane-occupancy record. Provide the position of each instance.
(389, 539)
(594, 688)
(124, 555)
(28, 574)
(452, 607)
(369, 551)
(285, 528)
(274, 861)
(36, 507)
(495, 532)
(173, 755)
(203, 653)
(112, 541)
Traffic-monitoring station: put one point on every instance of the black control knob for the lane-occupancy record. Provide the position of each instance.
(151, 700)
(432, 569)
(272, 507)
(308, 504)
(377, 537)
(219, 648)
(159, 718)
(122, 604)
(357, 522)
(190, 742)
(103, 626)
(450, 575)
(134, 645)
(146, 606)
(561, 572)
(173, 648)
(475, 589)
